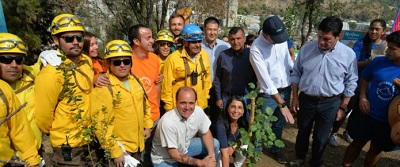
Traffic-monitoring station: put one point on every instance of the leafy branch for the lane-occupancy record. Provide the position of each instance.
(86, 125)
(259, 135)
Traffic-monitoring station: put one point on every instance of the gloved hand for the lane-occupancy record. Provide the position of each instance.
(50, 57)
(244, 147)
(129, 160)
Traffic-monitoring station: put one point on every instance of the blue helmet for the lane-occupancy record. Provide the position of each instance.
(192, 32)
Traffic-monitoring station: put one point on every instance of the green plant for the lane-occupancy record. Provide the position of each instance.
(259, 135)
(87, 125)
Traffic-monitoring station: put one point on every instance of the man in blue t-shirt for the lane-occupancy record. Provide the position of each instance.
(370, 122)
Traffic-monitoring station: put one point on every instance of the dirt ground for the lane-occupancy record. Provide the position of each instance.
(332, 157)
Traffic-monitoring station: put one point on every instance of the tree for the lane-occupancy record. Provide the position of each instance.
(309, 13)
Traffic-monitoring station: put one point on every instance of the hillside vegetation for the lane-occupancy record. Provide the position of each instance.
(359, 10)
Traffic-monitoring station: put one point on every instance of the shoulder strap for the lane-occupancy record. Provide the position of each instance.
(4, 98)
(26, 86)
(145, 97)
(110, 89)
(203, 70)
(73, 68)
(187, 71)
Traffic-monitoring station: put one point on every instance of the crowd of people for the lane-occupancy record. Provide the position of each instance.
(179, 98)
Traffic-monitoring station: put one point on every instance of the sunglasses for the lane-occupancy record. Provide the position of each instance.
(9, 59)
(169, 44)
(119, 61)
(69, 39)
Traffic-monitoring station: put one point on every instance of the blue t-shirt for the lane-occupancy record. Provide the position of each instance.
(360, 54)
(290, 43)
(381, 91)
(220, 133)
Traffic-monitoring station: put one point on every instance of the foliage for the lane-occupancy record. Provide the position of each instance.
(259, 135)
(243, 10)
(98, 122)
(309, 13)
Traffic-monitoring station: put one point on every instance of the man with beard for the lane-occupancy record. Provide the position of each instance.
(55, 113)
(176, 23)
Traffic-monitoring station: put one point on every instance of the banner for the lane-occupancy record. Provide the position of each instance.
(396, 24)
(350, 37)
(3, 26)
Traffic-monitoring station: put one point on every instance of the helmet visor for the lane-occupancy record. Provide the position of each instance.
(6, 45)
(115, 48)
(67, 22)
(194, 36)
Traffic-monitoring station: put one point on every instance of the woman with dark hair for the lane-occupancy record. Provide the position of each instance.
(226, 129)
(90, 48)
(363, 49)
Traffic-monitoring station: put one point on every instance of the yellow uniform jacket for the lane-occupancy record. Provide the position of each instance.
(54, 115)
(174, 77)
(129, 117)
(16, 132)
(27, 95)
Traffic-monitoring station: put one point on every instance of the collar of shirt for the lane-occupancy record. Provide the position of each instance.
(188, 56)
(206, 44)
(238, 53)
(330, 50)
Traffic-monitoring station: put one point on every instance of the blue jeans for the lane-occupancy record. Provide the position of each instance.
(277, 126)
(196, 148)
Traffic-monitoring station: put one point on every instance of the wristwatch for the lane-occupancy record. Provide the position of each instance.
(282, 105)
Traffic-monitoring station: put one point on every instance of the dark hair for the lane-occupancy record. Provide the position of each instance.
(394, 37)
(185, 88)
(366, 49)
(134, 32)
(331, 24)
(211, 20)
(175, 15)
(249, 39)
(226, 119)
(87, 36)
(235, 30)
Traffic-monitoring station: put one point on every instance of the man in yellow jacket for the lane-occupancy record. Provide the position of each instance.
(19, 76)
(62, 94)
(189, 66)
(16, 131)
(123, 106)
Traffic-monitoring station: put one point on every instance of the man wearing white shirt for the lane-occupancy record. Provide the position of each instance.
(271, 61)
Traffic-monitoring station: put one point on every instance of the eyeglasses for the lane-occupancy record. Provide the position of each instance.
(69, 39)
(9, 59)
(120, 48)
(119, 61)
(11, 44)
(162, 44)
